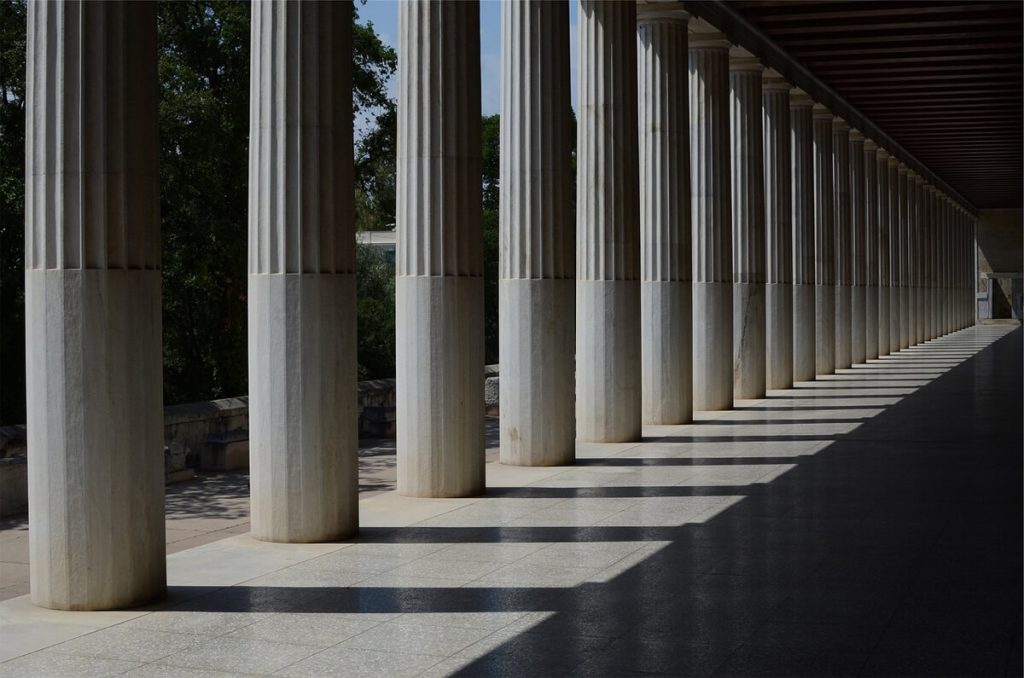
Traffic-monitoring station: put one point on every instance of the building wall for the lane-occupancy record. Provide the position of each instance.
(1000, 239)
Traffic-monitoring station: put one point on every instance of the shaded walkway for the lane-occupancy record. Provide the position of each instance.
(866, 524)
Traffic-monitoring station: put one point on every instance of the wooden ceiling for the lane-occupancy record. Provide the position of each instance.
(943, 79)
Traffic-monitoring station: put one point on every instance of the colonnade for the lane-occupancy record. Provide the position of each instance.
(732, 235)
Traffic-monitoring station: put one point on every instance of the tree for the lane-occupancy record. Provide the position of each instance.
(204, 71)
(12, 211)
(204, 127)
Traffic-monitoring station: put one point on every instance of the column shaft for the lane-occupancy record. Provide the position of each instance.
(883, 251)
(908, 264)
(747, 190)
(665, 247)
(858, 265)
(824, 244)
(536, 303)
(929, 244)
(608, 362)
(946, 265)
(802, 178)
(711, 221)
(439, 290)
(919, 260)
(304, 438)
(902, 271)
(92, 306)
(778, 216)
(895, 212)
(843, 239)
(870, 252)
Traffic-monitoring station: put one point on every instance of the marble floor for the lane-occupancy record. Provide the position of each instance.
(869, 523)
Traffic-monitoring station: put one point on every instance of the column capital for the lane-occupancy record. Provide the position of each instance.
(893, 162)
(821, 112)
(742, 60)
(650, 11)
(902, 169)
(773, 80)
(840, 125)
(800, 99)
(703, 35)
(856, 136)
(870, 145)
(911, 174)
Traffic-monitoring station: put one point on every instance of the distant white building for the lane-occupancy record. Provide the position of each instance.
(386, 241)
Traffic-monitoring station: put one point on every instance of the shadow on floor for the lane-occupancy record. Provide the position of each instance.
(895, 549)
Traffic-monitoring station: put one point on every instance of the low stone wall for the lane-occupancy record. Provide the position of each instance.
(213, 435)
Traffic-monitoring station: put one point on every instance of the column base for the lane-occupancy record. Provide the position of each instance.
(779, 335)
(440, 385)
(303, 413)
(804, 333)
(95, 432)
(825, 329)
(904, 326)
(857, 321)
(843, 325)
(870, 322)
(667, 352)
(748, 367)
(608, 363)
(712, 346)
(537, 371)
(883, 321)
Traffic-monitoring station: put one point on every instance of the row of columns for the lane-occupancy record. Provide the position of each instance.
(731, 236)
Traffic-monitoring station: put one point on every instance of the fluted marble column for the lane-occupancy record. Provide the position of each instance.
(439, 288)
(92, 304)
(748, 241)
(902, 271)
(536, 301)
(937, 328)
(302, 342)
(824, 244)
(895, 214)
(884, 257)
(910, 259)
(858, 266)
(843, 238)
(802, 178)
(778, 218)
(608, 362)
(665, 247)
(954, 250)
(917, 267)
(711, 220)
(870, 251)
(928, 241)
(947, 263)
(947, 321)
(936, 263)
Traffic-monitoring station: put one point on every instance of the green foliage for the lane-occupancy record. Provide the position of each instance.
(204, 100)
(490, 162)
(204, 129)
(375, 64)
(12, 211)
(204, 71)
(375, 295)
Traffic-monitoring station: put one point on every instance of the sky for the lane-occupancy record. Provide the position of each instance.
(384, 15)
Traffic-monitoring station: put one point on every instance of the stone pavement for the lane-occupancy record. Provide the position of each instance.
(869, 523)
(210, 507)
